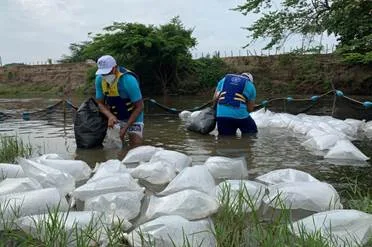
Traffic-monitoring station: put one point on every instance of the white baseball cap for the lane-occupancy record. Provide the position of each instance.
(249, 75)
(105, 64)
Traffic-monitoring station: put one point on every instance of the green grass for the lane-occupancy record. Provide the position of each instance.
(11, 147)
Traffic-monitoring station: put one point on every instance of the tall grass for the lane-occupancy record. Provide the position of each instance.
(11, 147)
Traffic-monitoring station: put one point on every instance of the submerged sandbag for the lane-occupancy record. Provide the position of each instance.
(90, 125)
(203, 122)
(190, 204)
(15, 185)
(10, 171)
(140, 154)
(154, 172)
(174, 158)
(173, 230)
(344, 149)
(339, 227)
(285, 176)
(223, 167)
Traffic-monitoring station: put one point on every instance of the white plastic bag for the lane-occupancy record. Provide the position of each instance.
(190, 204)
(48, 177)
(176, 159)
(311, 196)
(125, 205)
(222, 167)
(108, 169)
(154, 173)
(249, 190)
(321, 142)
(173, 230)
(10, 171)
(118, 183)
(339, 227)
(184, 115)
(285, 176)
(344, 149)
(195, 177)
(15, 185)
(140, 154)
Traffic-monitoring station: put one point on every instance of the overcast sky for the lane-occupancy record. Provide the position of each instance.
(35, 30)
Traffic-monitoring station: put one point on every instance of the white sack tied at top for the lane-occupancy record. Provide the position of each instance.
(190, 204)
(140, 154)
(15, 185)
(47, 176)
(285, 176)
(249, 193)
(10, 171)
(154, 172)
(174, 158)
(107, 169)
(344, 149)
(79, 169)
(311, 196)
(196, 177)
(229, 168)
(173, 230)
(340, 227)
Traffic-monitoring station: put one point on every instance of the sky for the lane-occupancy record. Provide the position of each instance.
(34, 30)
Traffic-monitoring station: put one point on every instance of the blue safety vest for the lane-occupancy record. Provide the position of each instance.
(232, 90)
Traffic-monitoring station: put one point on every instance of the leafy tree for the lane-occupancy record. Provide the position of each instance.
(160, 55)
(349, 20)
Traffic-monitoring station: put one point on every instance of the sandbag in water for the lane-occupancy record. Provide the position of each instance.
(174, 158)
(285, 176)
(195, 177)
(344, 149)
(140, 154)
(108, 169)
(90, 125)
(15, 185)
(10, 171)
(339, 227)
(248, 193)
(321, 142)
(154, 172)
(203, 122)
(47, 176)
(190, 204)
(184, 115)
(173, 230)
(223, 167)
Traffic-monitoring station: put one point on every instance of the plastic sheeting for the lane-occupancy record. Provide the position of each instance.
(311, 196)
(249, 190)
(339, 227)
(170, 231)
(140, 154)
(10, 171)
(223, 167)
(190, 204)
(48, 177)
(204, 122)
(176, 159)
(154, 173)
(344, 149)
(285, 176)
(15, 185)
(196, 178)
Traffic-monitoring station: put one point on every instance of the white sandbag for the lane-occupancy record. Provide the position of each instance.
(76, 168)
(368, 130)
(124, 205)
(285, 176)
(300, 127)
(173, 230)
(315, 133)
(73, 223)
(249, 192)
(140, 154)
(194, 114)
(358, 124)
(321, 142)
(311, 196)
(223, 167)
(50, 156)
(184, 115)
(331, 130)
(339, 227)
(344, 149)
(190, 204)
(108, 169)
(117, 183)
(176, 159)
(47, 176)
(30, 202)
(112, 138)
(344, 128)
(196, 178)
(154, 173)
(15, 185)
(10, 171)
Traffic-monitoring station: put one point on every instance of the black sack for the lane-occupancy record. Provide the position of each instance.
(204, 122)
(90, 125)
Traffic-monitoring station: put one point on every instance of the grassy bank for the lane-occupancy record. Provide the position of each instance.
(13, 147)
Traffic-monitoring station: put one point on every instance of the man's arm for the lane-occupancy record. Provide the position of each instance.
(112, 120)
(250, 105)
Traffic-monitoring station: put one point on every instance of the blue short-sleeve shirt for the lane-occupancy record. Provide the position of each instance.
(128, 87)
(236, 112)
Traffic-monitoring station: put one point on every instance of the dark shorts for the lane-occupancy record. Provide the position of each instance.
(228, 126)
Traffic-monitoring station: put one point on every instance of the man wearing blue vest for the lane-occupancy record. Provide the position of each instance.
(235, 96)
(119, 98)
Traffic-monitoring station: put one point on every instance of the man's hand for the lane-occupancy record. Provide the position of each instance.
(112, 121)
(123, 131)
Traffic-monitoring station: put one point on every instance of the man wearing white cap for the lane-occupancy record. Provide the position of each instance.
(235, 96)
(119, 98)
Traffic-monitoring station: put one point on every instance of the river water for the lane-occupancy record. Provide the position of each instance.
(269, 149)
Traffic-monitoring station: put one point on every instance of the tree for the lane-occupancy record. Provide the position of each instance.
(349, 20)
(160, 55)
